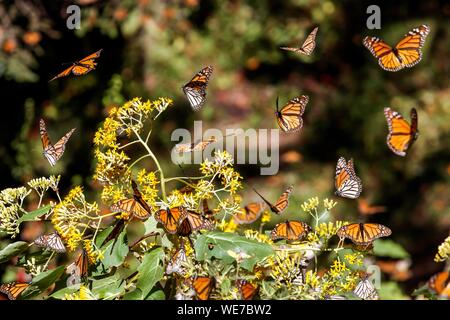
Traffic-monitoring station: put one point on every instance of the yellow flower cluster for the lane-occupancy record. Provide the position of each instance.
(106, 136)
(310, 204)
(72, 217)
(255, 235)
(227, 226)
(94, 255)
(148, 184)
(339, 278)
(83, 294)
(288, 268)
(11, 201)
(443, 251)
(41, 185)
(112, 167)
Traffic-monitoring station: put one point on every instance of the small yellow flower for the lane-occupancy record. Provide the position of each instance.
(329, 204)
(443, 251)
(266, 216)
(310, 204)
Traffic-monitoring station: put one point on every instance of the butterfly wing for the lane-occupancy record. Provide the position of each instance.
(409, 48)
(171, 218)
(175, 264)
(290, 230)
(13, 289)
(64, 73)
(250, 213)
(55, 152)
(247, 290)
(193, 222)
(347, 184)
(195, 90)
(91, 57)
(202, 287)
(439, 282)
(310, 42)
(383, 52)
(401, 134)
(51, 241)
(289, 118)
(363, 234)
(366, 290)
(283, 201)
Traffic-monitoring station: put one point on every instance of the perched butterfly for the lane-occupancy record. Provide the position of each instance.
(366, 290)
(135, 206)
(176, 262)
(282, 202)
(13, 289)
(289, 118)
(290, 230)
(202, 287)
(193, 222)
(365, 209)
(195, 90)
(171, 218)
(247, 290)
(116, 231)
(78, 270)
(307, 46)
(348, 185)
(363, 233)
(81, 67)
(401, 135)
(192, 147)
(406, 53)
(50, 241)
(440, 283)
(53, 152)
(250, 213)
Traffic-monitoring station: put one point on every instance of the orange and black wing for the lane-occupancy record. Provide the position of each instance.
(363, 233)
(13, 289)
(290, 230)
(64, 73)
(401, 133)
(135, 206)
(247, 290)
(171, 218)
(307, 46)
(202, 287)
(347, 184)
(193, 222)
(289, 118)
(250, 213)
(81, 67)
(195, 90)
(439, 282)
(282, 202)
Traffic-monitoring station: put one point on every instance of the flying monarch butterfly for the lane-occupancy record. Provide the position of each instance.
(347, 184)
(50, 241)
(247, 290)
(202, 287)
(196, 146)
(282, 202)
(406, 53)
(307, 46)
(52, 152)
(363, 233)
(290, 230)
(79, 269)
(13, 289)
(366, 290)
(135, 206)
(250, 213)
(193, 222)
(401, 135)
(171, 218)
(289, 118)
(195, 90)
(365, 209)
(176, 262)
(81, 67)
(440, 283)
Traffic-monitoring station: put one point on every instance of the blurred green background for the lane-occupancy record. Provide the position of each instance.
(152, 48)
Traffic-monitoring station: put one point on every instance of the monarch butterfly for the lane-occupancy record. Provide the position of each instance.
(50, 241)
(13, 289)
(79, 269)
(206, 211)
(440, 283)
(365, 209)
(282, 202)
(290, 230)
(52, 152)
(289, 118)
(195, 90)
(176, 262)
(193, 222)
(118, 228)
(135, 206)
(406, 53)
(363, 233)
(347, 184)
(81, 67)
(250, 213)
(171, 218)
(192, 147)
(366, 290)
(202, 287)
(247, 290)
(401, 135)
(307, 46)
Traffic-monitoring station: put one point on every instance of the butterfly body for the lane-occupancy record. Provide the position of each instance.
(401, 134)
(290, 230)
(171, 218)
(347, 183)
(195, 90)
(135, 205)
(363, 233)
(80, 67)
(406, 53)
(52, 152)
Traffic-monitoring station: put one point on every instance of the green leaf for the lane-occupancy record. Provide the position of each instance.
(40, 257)
(391, 291)
(60, 294)
(42, 281)
(149, 272)
(156, 295)
(225, 241)
(388, 248)
(31, 216)
(115, 251)
(108, 288)
(12, 250)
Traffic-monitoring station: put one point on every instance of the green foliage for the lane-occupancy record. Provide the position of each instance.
(12, 250)
(388, 248)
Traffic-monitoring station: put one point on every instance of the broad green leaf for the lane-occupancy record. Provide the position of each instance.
(42, 281)
(108, 288)
(150, 271)
(391, 291)
(388, 248)
(156, 295)
(40, 257)
(136, 294)
(151, 225)
(222, 242)
(60, 294)
(31, 216)
(12, 250)
(115, 251)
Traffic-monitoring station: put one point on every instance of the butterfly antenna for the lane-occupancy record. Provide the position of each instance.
(277, 107)
(266, 201)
